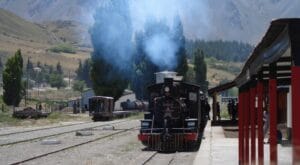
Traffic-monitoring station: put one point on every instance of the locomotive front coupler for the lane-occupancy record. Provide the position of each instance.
(165, 135)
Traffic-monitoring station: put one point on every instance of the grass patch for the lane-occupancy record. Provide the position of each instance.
(224, 112)
(231, 67)
(139, 115)
(7, 119)
(59, 116)
(64, 48)
(3, 106)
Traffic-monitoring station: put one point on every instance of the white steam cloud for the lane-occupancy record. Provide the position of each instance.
(161, 46)
(193, 13)
(161, 50)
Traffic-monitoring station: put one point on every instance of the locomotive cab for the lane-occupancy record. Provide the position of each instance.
(174, 118)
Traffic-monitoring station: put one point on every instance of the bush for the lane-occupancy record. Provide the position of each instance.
(6, 118)
(65, 48)
(56, 80)
(79, 86)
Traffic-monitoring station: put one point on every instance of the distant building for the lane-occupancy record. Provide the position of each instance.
(85, 97)
(37, 69)
(83, 100)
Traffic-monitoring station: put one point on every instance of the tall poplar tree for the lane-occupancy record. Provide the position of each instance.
(12, 80)
(179, 38)
(200, 69)
(111, 38)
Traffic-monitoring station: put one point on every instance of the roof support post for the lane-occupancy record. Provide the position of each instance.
(296, 113)
(295, 86)
(260, 132)
(273, 114)
(253, 119)
(214, 106)
(241, 125)
(246, 120)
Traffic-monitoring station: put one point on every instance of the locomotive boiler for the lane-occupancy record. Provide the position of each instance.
(175, 120)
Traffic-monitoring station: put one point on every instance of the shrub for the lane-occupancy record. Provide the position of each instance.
(65, 48)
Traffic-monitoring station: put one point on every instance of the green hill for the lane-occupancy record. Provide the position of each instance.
(16, 27)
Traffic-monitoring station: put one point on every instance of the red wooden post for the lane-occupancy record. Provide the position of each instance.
(214, 106)
(260, 123)
(246, 120)
(253, 124)
(241, 127)
(295, 83)
(273, 120)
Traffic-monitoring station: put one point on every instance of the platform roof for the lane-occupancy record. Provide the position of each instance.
(221, 87)
(274, 48)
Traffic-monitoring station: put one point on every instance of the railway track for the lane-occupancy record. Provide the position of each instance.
(169, 158)
(40, 129)
(60, 133)
(74, 146)
(148, 160)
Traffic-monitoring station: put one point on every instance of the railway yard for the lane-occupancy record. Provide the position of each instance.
(125, 82)
(109, 142)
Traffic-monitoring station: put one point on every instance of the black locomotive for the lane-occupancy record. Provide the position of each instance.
(175, 120)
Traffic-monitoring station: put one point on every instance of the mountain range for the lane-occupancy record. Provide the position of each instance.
(241, 20)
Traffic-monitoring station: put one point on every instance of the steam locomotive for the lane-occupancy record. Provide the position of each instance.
(176, 119)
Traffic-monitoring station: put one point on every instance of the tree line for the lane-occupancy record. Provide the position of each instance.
(221, 50)
(44, 73)
(14, 74)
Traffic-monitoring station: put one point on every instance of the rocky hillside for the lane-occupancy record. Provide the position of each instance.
(209, 19)
(248, 20)
(51, 10)
(16, 27)
(35, 40)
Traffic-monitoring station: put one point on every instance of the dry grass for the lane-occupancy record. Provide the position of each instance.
(38, 52)
(6, 119)
(34, 40)
(58, 95)
(215, 76)
(16, 27)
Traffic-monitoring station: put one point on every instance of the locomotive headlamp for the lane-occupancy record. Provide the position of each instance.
(145, 123)
(167, 89)
(191, 123)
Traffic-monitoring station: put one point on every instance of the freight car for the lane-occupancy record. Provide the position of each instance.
(134, 105)
(101, 107)
(176, 117)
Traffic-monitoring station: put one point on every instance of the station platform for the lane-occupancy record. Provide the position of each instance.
(216, 149)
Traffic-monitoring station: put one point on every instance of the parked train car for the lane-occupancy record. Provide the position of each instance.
(134, 105)
(101, 107)
(175, 120)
